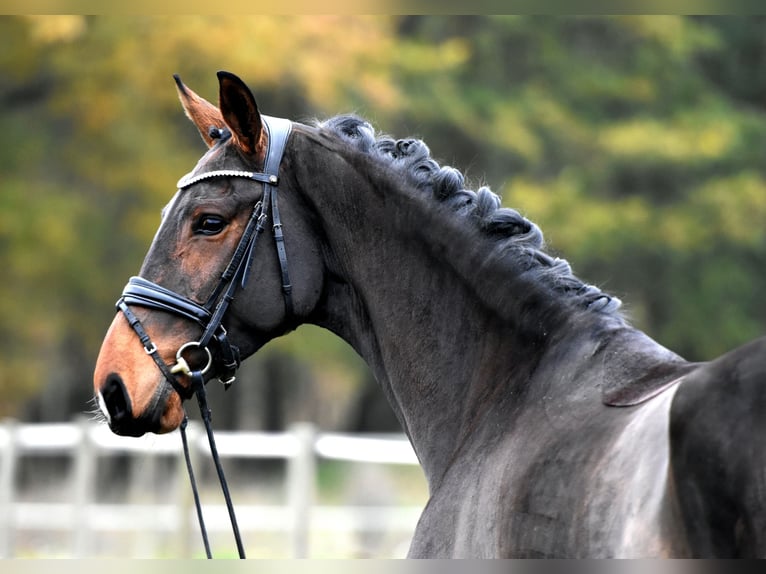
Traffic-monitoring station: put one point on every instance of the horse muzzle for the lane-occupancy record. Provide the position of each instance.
(130, 392)
(115, 404)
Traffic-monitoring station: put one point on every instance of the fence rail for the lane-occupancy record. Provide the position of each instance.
(81, 515)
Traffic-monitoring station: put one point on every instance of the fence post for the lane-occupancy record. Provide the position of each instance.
(301, 477)
(84, 488)
(143, 486)
(8, 490)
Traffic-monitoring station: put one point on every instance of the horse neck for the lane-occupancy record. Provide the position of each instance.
(417, 326)
(441, 355)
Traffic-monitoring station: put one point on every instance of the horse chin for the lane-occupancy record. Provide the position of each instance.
(173, 416)
(151, 422)
(127, 429)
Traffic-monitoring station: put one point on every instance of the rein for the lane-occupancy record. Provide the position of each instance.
(224, 360)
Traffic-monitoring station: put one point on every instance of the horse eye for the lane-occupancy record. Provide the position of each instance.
(209, 225)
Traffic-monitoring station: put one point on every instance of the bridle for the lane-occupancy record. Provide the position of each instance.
(144, 293)
(224, 360)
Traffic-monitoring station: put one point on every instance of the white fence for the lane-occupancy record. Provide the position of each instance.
(81, 517)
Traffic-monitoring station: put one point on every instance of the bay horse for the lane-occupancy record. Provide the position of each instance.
(546, 425)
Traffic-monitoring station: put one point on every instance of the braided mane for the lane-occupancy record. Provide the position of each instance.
(412, 158)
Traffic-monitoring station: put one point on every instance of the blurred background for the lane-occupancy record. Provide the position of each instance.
(636, 143)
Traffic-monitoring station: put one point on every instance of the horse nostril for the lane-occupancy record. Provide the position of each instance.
(115, 400)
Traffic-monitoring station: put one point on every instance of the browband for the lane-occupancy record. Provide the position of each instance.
(188, 180)
(278, 130)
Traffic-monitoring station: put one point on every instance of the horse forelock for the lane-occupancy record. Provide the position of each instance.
(521, 241)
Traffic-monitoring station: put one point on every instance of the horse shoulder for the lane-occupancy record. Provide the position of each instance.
(582, 481)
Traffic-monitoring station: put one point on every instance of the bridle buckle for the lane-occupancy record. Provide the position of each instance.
(228, 382)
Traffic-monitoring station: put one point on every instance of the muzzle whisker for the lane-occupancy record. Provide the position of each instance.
(94, 413)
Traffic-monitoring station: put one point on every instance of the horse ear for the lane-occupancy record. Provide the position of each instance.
(240, 112)
(202, 113)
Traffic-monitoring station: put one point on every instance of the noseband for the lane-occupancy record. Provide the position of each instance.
(224, 359)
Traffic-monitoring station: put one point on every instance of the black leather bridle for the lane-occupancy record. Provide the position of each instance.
(224, 359)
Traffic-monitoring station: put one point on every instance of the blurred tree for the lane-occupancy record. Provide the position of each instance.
(637, 143)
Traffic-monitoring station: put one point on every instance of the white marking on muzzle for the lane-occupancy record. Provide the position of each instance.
(102, 406)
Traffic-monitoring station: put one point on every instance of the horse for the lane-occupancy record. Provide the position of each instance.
(545, 424)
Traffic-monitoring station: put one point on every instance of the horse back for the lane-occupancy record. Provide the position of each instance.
(718, 454)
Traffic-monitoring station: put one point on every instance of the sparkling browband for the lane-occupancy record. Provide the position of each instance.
(189, 179)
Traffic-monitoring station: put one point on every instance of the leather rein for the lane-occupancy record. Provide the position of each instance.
(224, 360)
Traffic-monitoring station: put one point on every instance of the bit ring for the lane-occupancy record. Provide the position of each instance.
(182, 366)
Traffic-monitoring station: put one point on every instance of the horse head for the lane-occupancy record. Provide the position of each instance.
(206, 251)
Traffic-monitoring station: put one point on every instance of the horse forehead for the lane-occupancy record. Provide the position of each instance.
(222, 155)
(213, 159)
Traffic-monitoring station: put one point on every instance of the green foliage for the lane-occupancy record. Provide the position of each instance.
(637, 143)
